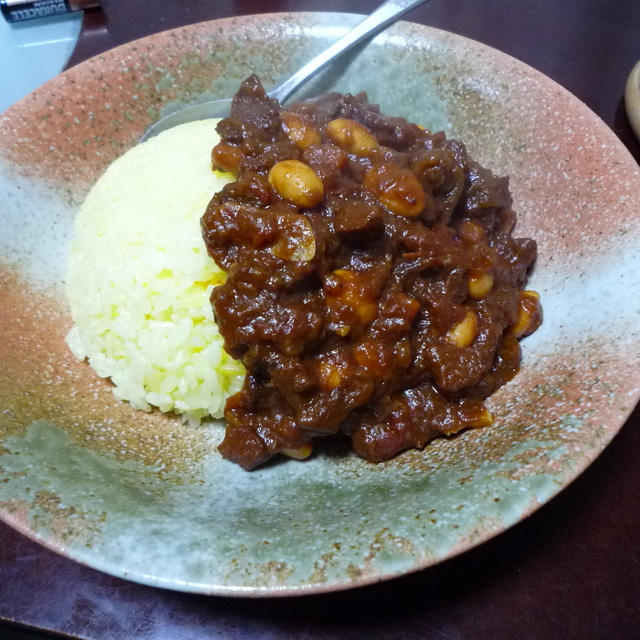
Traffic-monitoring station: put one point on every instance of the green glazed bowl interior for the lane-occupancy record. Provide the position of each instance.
(146, 498)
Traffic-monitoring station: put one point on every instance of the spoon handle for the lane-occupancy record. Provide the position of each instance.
(385, 14)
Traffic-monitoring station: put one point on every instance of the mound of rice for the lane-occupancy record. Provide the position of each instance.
(139, 278)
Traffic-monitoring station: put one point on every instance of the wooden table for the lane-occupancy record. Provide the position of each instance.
(572, 570)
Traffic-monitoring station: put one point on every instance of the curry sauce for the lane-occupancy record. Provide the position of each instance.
(374, 287)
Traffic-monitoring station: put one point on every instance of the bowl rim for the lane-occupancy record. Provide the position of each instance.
(313, 589)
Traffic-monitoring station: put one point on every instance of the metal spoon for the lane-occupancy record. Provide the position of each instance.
(384, 15)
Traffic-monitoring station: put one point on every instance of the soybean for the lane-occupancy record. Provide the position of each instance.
(297, 182)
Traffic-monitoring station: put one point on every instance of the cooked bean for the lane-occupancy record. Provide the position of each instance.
(351, 136)
(396, 188)
(465, 332)
(226, 157)
(297, 182)
(301, 453)
(529, 314)
(299, 130)
(471, 232)
(350, 297)
(480, 283)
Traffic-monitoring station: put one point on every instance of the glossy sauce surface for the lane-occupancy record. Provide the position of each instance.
(374, 286)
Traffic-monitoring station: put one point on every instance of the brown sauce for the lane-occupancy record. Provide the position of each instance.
(374, 287)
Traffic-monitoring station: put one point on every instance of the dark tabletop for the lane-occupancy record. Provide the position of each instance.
(572, 570)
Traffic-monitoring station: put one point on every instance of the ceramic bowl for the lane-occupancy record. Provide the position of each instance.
(143, 497)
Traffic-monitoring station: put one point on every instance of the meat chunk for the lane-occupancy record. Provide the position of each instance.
(373, 285)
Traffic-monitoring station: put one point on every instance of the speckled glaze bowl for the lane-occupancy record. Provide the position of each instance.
(142, 496)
